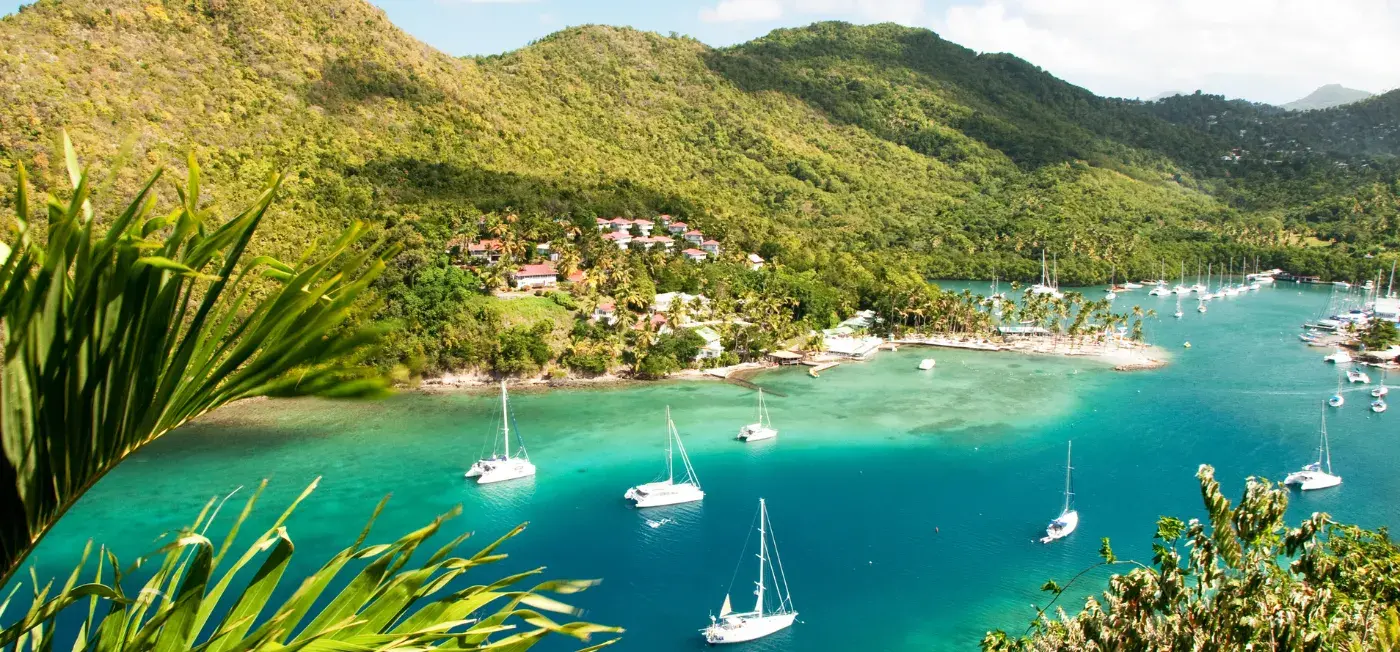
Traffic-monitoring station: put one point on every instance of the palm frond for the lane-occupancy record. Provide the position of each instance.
(113, 339)
(388, 604)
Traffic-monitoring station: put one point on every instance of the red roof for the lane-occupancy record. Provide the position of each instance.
(577, 276)
(694, 252)
(663, 216)
(642, 222)
(661, 238)
(607, 306)
(710, 242)
(484, 245)
(542, 269)
(678, 225)
(620, 220)
(694, 232)
(618, 235)
(600, 220)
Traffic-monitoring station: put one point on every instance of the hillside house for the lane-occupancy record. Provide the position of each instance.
(605, 312)
(485, 250)
(712, 348)
(694, 236)
(529, 277)
(710, 247)
(619, 238)
(695, 255)
(677, 228)
(755, 262)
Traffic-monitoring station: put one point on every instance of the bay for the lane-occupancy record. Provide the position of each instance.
(906, 504)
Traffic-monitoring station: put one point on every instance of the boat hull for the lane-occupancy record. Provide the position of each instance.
(738, 628)
(1378, 406)
(493, 471)
(1311, 480)
(756, 432)
(661, 494)
(1067, 522)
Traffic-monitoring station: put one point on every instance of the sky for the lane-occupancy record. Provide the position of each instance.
(1264, 50)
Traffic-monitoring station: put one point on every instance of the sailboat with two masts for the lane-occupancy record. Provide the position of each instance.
(732, 627)
(761, 429)
(501, 467)
(668, 491)
(1068, 519)
(1313, 476)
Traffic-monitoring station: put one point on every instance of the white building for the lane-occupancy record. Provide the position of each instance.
(712, 348)
(662, 302)
(534, 276)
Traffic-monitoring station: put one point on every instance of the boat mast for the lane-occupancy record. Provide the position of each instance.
(1068, 468)
(670, 438)
(762, 413)
(1326, 452)
(762, 548)
(505, 419)
(1390, 287)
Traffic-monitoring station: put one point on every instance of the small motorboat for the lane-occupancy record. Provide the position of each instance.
(1354, 376)
(1380, 392)
(927, 364)
(1378, 406)
(1338, 356)
(1336, 400)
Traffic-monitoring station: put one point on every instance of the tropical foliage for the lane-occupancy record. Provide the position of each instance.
(112, 339)
(193, 597)
(1239, 580)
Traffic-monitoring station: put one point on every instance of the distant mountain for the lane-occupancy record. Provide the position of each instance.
(1163, 96)
(1327, 97)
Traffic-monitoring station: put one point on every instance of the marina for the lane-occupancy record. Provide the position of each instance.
(856, 449)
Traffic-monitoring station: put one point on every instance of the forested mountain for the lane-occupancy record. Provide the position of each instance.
(847, 154)
(1326, 97)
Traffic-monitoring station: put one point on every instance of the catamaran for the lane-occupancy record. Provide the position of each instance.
(732, 627)
(763, 428)
(1312, 476)
(1358, 376)
(502, 467)
(668, 491)
(1068, 519)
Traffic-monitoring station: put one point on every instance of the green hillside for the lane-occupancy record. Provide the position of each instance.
(849, 155)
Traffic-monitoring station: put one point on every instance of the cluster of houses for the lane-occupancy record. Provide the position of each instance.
(606, 312)
(632, 234)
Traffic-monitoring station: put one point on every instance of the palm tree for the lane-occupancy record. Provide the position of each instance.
(113, 340)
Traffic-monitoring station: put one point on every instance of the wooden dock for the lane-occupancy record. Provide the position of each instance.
(815, 371)
(744, 383)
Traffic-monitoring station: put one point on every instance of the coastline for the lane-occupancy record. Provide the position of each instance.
(1119, 358)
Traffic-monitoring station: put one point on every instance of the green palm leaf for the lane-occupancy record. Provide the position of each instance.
(113, 339)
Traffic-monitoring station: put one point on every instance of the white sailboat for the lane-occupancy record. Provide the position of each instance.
(732, 627)
(502, 467)
(1046, 284)
(668, 491)
(1337, 400)
(1068, 519)
(763, 427)
(1178, 314)
(1381, 391)
(1313, 476)
(1181, 287)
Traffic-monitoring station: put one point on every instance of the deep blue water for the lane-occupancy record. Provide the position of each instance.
(906, 504)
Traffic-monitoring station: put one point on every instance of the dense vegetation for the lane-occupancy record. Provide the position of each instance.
(852, 158)
(1240, 580)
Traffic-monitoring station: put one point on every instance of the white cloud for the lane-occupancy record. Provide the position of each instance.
(907, 12)
(1265, 50)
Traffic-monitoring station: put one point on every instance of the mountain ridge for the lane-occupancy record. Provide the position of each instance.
(1326, 97)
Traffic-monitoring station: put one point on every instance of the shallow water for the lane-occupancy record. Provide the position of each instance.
(905, 501)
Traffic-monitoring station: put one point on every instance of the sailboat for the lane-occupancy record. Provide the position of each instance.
(1160, 287)
(732, 627)
(1337, 400)
(1111, 293)
(1198, 288)
(502, 467)
(763, 428)
(1381, 391)
(1182, 288)
(668, 491)
(1068, 519)
(1313, 476)
(1046, 285)
(1178, 314)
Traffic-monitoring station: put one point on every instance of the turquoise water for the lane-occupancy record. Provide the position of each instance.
(905, 503)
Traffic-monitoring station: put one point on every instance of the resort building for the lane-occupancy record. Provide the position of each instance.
(694, 236)
(662, 302)
(487, 250)
(710, 247)
(620, 238)
(677, 228)
(644, 226)
(695, 255)
(785, 358)
(855, 348)
(755, 262)
(712, 348)
(534, 276)
(577, 277)
(605, 312)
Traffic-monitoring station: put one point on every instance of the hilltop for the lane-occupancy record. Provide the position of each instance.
(1326, 97)
(848, 155)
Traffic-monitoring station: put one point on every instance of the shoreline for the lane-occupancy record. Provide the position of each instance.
(1119, 358)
